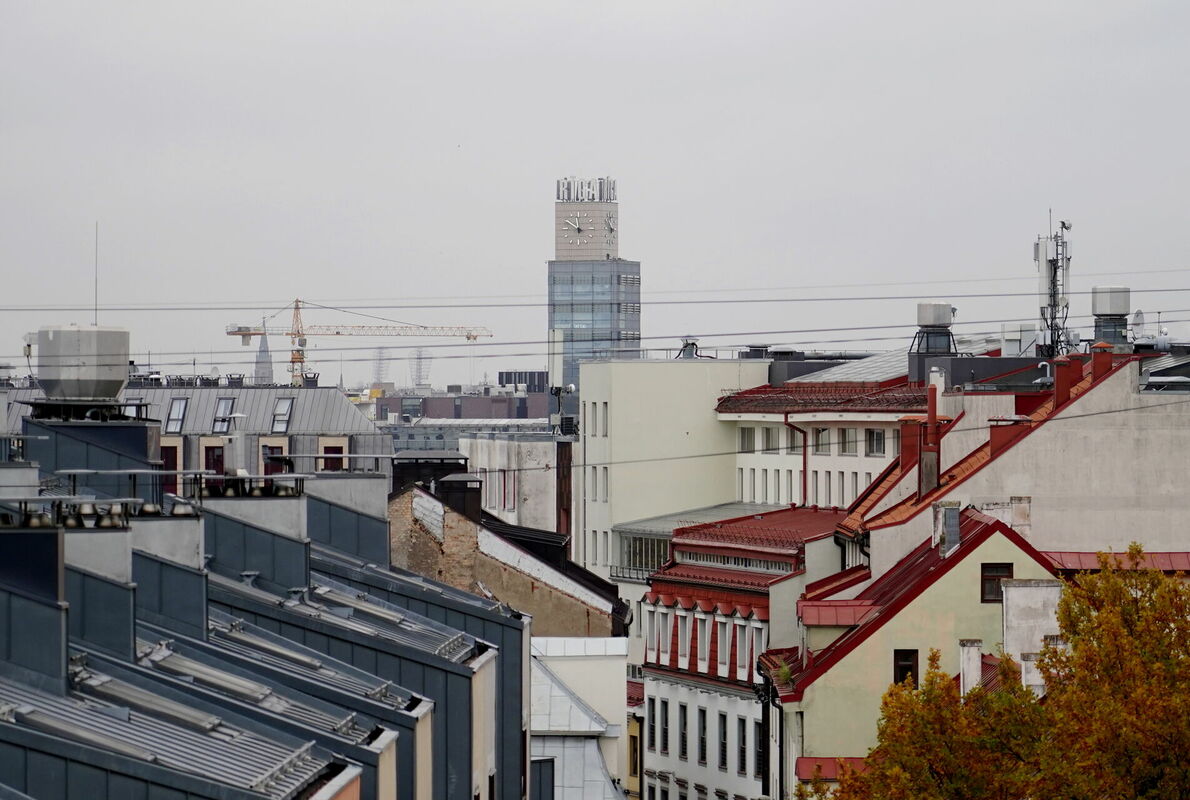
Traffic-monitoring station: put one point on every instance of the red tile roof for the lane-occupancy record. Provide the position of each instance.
(783, 529)
(711, 576)
(825, 396)
(904, 582)
(1086, 561)
(835, 612)
(826, 767)
(989, 674)
(636, 693)
(825, 587)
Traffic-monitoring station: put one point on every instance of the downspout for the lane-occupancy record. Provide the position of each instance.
(805, 456)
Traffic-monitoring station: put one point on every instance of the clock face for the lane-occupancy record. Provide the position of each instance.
(577, 228)
(611, 227)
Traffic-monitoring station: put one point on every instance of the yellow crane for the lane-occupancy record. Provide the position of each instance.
(297, 333)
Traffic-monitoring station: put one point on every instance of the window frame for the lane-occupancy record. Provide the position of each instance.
(723, 741)
(903, 658)
(741, 745)
(702, 735)
(651, 724)
(747, 439)
(849, 441)
(281, 418)
(869, 438)
(997, 594)
(822, 441)
(222, 421)
(174, 423)
(683, 750)
(664, 706)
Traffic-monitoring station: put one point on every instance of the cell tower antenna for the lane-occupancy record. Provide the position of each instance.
(1052, 254)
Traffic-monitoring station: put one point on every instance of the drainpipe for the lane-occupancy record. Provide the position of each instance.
(805, 455)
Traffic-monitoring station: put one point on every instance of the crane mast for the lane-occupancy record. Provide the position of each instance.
(299, 331)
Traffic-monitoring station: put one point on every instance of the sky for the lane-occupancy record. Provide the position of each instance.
(374, 155)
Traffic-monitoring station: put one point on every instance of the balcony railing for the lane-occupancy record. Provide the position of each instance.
(634, 574)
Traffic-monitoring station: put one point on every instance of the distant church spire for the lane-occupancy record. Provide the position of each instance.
(263, 376)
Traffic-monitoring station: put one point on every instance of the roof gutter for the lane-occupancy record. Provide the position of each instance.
(805, 453)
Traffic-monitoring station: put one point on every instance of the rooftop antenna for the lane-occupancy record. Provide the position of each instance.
(95, 318)
(1052, 254)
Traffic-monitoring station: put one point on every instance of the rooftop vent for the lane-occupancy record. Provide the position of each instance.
(933, 338)
(82, 363)
(1109, 305)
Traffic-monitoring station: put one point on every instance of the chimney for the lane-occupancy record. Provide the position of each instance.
(911, 433)
(1066, 372)
(970, 664)
(927, 471)
(463, 492)
(946, 525)
(1003, 431)
(1101, 359)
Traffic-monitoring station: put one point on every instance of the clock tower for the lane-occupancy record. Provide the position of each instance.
(594, 295)
(586, 220)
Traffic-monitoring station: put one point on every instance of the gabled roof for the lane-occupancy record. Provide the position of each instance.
(556, 710)
(784, 529)
(967, 466)
(907, 580)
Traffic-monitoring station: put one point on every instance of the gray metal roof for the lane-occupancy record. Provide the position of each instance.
(580, 772)
(210, 673)
(1167, 361)
(221, 752)
(885, 366)
(242, 638)
(556, 710)
(323, 410)
(665, 524)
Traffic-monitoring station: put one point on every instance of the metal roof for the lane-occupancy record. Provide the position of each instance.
(1167, 361)
(322, 410)
(244, 639)
(885, 366)
(665, 524)
(580, 772)
(223, 753)
(580, 646)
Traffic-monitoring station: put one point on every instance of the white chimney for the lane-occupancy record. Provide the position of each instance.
(970, 664)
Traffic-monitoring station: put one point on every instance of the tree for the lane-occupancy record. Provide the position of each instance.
(1118, 691)
(1114, 723)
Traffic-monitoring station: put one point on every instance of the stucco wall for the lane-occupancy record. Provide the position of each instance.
(532, 460)
(1030, 614)
(842, 707)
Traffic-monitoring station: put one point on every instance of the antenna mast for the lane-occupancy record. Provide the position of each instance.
(1052, 254)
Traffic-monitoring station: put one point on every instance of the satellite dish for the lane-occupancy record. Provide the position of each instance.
(214, 373)
(1138, 324)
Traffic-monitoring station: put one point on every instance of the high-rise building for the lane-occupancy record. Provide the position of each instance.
(594, 294)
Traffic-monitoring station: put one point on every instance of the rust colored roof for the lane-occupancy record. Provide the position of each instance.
(783, 529)
(827, 768)
(904, 582)
(744, 606)
(834, 396)
(1089, 562)
(636, 693)
(825, 587)
(989, 674)
(712, 576)
(835, 612)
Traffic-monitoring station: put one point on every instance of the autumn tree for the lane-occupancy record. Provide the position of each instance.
(1118, 686)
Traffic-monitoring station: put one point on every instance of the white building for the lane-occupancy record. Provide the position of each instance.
(519, 473)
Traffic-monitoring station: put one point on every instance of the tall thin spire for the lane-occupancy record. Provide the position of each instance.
(263, 376)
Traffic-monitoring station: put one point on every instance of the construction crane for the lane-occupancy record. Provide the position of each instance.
(297, 333)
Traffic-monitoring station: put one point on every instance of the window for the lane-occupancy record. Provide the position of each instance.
(795, 442)
(223, 407)
(814, 484)
(751, 485)
(722, 741)
(652, 793)
(867, 479)
(704, 641)
(682, 731)
(842, 486)
(605, 486)
(822, 441)
(747, 440)
(724, 646)
(905, 666)
(603, 421)
(664, 726)
(826, 483)
(739, 480)
(606, 553)
(741, 746)
(594, 487)
(332, 464)
(874, 442)
(759, 749)
(702, 736)
(772, 440)
(507, 488)
(683, 636)
(848, 442)
(269, 457)
(594, 547)
(990, 588)
(169, 463)
(854, 485)
(666, 633)
(764, 486)
(281, 412)
(652, 733)
(177, 413)
(650, 629)
(633, 756)
(741, 647)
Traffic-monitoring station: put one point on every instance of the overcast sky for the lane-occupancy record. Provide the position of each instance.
(243, 154)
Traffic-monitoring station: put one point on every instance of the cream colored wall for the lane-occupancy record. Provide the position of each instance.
(424, 779)
(333, 441)
(601, 681)
(842, 707)
(270, 441)
(662, 422)
(483, 724)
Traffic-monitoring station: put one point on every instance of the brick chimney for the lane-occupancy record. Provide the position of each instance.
(1101, 359)
(1066, 373)
(911, 433)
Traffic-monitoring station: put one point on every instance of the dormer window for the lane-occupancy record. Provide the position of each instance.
(223, 407)
(176, 415)
(281, 412)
